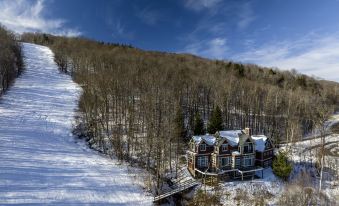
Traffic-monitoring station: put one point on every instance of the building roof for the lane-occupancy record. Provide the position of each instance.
(260, 141)
(232, 136)
(208, 139)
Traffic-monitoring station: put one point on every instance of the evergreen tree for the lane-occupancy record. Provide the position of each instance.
(215, 122)
(198, 125)
(281, 167)
(180, 130)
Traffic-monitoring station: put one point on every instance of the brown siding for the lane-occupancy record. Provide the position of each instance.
(209, 149)
(268, 154)
(264, 159)
(228, 151)
(258, 155)
(233, 148)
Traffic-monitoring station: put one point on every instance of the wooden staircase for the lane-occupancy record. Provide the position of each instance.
(176, 189)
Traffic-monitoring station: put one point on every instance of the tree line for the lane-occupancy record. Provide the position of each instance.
(11, 63)
(142, 106)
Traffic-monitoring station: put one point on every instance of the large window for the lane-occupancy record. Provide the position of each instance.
(248, 161)
(224, 161)
(202, 161)
(224, 147)
(202, 147)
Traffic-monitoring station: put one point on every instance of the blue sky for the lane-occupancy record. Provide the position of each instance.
(288, 34)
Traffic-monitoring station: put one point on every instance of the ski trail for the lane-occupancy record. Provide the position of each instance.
(39, 162)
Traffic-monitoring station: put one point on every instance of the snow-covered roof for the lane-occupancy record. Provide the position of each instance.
(232, 136)
(236, 153)
(208, 139)
(260, 141)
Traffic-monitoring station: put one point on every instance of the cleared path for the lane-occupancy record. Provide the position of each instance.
(40, 163)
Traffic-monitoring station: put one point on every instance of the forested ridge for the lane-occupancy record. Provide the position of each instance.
(141, 105)
(10, 59)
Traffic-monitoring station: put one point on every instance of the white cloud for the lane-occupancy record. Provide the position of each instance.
(27, 16)
(208, 37)
(199, 5)
(245, 15)
(240, 12)
(214, 48)
(119, 30)
(313, 55)
(148, 16)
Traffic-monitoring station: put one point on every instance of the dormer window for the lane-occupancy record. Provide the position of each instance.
(248, 148)
(224, 147)
(202, 147)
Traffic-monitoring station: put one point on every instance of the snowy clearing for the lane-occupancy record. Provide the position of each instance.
(40, 161)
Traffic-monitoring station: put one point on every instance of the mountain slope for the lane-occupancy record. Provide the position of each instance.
(39, 161)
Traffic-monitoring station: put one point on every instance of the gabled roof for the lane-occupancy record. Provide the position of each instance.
(208, 139)
(260, 142)
(232, 136)
(243, 138)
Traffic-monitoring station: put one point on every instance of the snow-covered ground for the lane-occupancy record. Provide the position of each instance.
(270, 188)
(334, 119)
(40, 161)
(303, 155)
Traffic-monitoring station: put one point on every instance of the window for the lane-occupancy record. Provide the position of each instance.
(224, 147)
(248, 148)
(202, 161)
(237, 162)
(193, 147)
(202, 147)
(224, 161)
(248, 161)
(267, 163)
(190, 159)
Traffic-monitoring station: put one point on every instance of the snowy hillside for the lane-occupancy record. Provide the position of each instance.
(39, 160)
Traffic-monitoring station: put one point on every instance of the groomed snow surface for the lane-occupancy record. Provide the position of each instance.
(40, 161)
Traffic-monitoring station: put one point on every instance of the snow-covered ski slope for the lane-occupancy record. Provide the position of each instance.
(40, 163)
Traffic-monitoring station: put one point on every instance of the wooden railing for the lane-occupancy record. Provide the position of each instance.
(179, 188)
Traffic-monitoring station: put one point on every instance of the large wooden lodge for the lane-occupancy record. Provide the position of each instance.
(230, 154)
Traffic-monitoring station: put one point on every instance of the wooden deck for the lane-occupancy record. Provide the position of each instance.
(241, 172)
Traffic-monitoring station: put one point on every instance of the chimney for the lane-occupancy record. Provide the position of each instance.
(247, 131)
